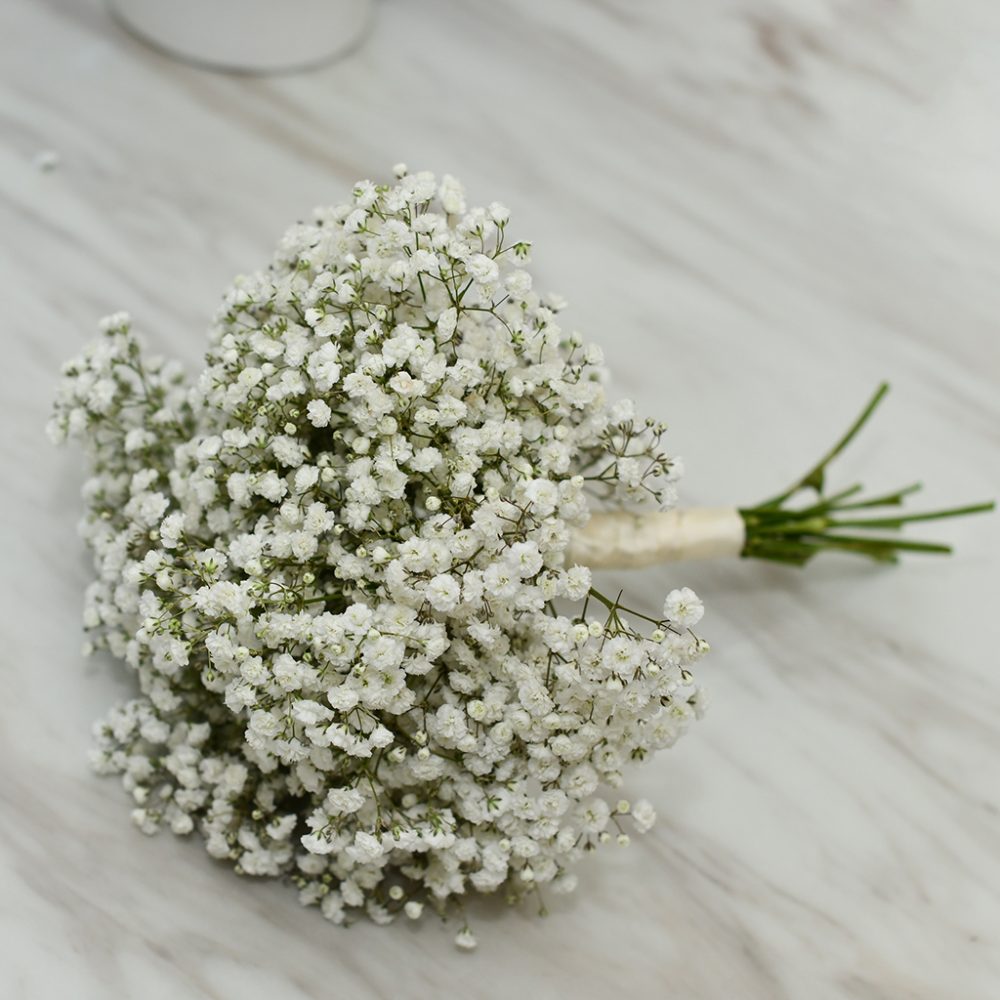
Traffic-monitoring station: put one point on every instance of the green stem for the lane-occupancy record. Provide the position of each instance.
(815, 476)
(794, 535)
(897, 522)
(886, 500)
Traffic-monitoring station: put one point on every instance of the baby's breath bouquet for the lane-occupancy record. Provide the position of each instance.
(349, 563)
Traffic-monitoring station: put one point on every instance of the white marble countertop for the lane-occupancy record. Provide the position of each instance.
(761, 208)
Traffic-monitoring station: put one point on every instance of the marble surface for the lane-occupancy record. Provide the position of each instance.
(761, 207)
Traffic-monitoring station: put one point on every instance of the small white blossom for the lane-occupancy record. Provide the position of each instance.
(465, 939)
(683, 607)
(318, 412)
(443, 592)
(643, 815)
(484, 269)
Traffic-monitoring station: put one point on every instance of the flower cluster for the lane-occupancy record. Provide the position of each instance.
(335, 562)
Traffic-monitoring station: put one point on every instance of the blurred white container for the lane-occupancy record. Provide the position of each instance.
(254, 36)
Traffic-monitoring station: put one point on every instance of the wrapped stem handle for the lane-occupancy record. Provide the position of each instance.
(625, 540)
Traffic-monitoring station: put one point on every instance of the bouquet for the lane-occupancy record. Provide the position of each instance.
(350, 565)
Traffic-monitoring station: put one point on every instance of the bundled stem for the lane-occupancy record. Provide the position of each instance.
(781, 533)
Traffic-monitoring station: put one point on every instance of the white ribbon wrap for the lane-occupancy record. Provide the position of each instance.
(626, 540)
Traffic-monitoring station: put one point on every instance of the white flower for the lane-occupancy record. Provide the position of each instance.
(225, 598)
(465, 939)
(342, 698)
(501, 580)
(365, 848)
(643, 815)
(309, 713)
(578, 580)
(499, 213)
(343, 801)
(318, 412)
(452, 195)
(683, 607)
(443, 592)
(316, 843)
(525, 559)
(148, 508)
(484, 269)
(518, 284)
